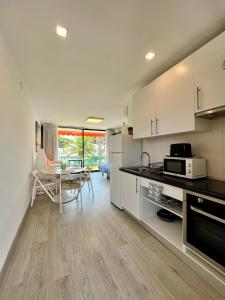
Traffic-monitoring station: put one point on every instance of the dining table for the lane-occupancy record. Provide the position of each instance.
(58, 174)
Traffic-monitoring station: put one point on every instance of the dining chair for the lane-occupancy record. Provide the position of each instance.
(86, 178)
(41, 161)
(41, 183)
(73, 182)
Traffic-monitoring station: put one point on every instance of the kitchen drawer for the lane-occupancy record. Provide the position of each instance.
(167, 190)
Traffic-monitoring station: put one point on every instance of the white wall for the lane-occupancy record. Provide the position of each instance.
(16, 150)
(209, 145)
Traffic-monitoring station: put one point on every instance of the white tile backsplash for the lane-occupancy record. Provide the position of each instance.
(209, 145)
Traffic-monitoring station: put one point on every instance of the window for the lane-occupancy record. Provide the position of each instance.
(82, 147)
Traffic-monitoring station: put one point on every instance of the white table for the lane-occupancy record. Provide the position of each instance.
(58, 173)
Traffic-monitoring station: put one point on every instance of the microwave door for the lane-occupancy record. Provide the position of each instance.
(175, 166)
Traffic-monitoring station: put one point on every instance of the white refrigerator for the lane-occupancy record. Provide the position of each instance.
(124, 152)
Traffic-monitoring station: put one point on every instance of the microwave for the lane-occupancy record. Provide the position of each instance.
(190, 168)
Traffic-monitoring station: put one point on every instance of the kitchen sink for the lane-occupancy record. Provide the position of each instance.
(144, 170)
(139, 169)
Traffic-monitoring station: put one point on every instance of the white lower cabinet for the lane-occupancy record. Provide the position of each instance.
(130, 194)
(139, 199)
(168, 232)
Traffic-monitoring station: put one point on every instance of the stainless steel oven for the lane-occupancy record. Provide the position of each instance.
(204, 228)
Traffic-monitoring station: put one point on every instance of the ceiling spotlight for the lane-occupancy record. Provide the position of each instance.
(94, 120)
(61, 31)
(149, 55)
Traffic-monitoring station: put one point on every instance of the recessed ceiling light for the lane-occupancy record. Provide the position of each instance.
(94, 120)
(61, 31)
(181, 69)
(149, 55)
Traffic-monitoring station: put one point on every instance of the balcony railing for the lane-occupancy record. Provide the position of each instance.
(92, 161)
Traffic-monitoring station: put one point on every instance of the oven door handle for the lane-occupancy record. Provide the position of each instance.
(201, 212)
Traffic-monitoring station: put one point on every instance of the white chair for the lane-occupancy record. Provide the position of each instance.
(73, 182)
(86, 177)
(41, 161)
(41, 183)
(66, 181)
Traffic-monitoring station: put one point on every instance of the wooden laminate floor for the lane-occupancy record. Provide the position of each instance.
(100, 253)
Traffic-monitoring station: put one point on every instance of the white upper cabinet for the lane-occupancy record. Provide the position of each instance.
(143, 114)
(174, 99)
(166, 105)
(210, 74)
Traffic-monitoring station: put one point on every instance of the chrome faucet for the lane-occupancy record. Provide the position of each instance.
(149, 158)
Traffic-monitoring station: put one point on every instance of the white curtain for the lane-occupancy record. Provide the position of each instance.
(50, 141)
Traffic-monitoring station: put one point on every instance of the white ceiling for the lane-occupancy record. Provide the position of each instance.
(95, 70)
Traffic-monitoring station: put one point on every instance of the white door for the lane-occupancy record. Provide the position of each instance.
(143, 113)
(174, 99)
(115, 180)
(210, 74)
(130, 194)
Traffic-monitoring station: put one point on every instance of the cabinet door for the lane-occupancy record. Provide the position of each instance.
(210, 75)
(174, 99)
(143, 114)
(130, 194)
(115, 180)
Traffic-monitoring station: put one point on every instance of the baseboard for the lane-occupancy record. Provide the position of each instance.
(131, 216)
(13, 246)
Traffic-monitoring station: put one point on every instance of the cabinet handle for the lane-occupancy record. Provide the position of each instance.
(156, 125)
(198, 99)
(136, 186)
(201, 212)
(152, 126)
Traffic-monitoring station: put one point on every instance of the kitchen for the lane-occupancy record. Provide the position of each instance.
(176, 188)
(149, 222)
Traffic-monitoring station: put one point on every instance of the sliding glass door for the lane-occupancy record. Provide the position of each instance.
(94, 148)
(82, 147)
(71, 146)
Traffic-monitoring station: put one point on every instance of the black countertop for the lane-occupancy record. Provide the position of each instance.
(205, 186)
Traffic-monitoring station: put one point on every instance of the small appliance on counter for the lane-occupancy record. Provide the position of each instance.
(180, 150)
(181, 163)
(190, 168)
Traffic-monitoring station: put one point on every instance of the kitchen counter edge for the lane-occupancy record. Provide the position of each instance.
(205, 186)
